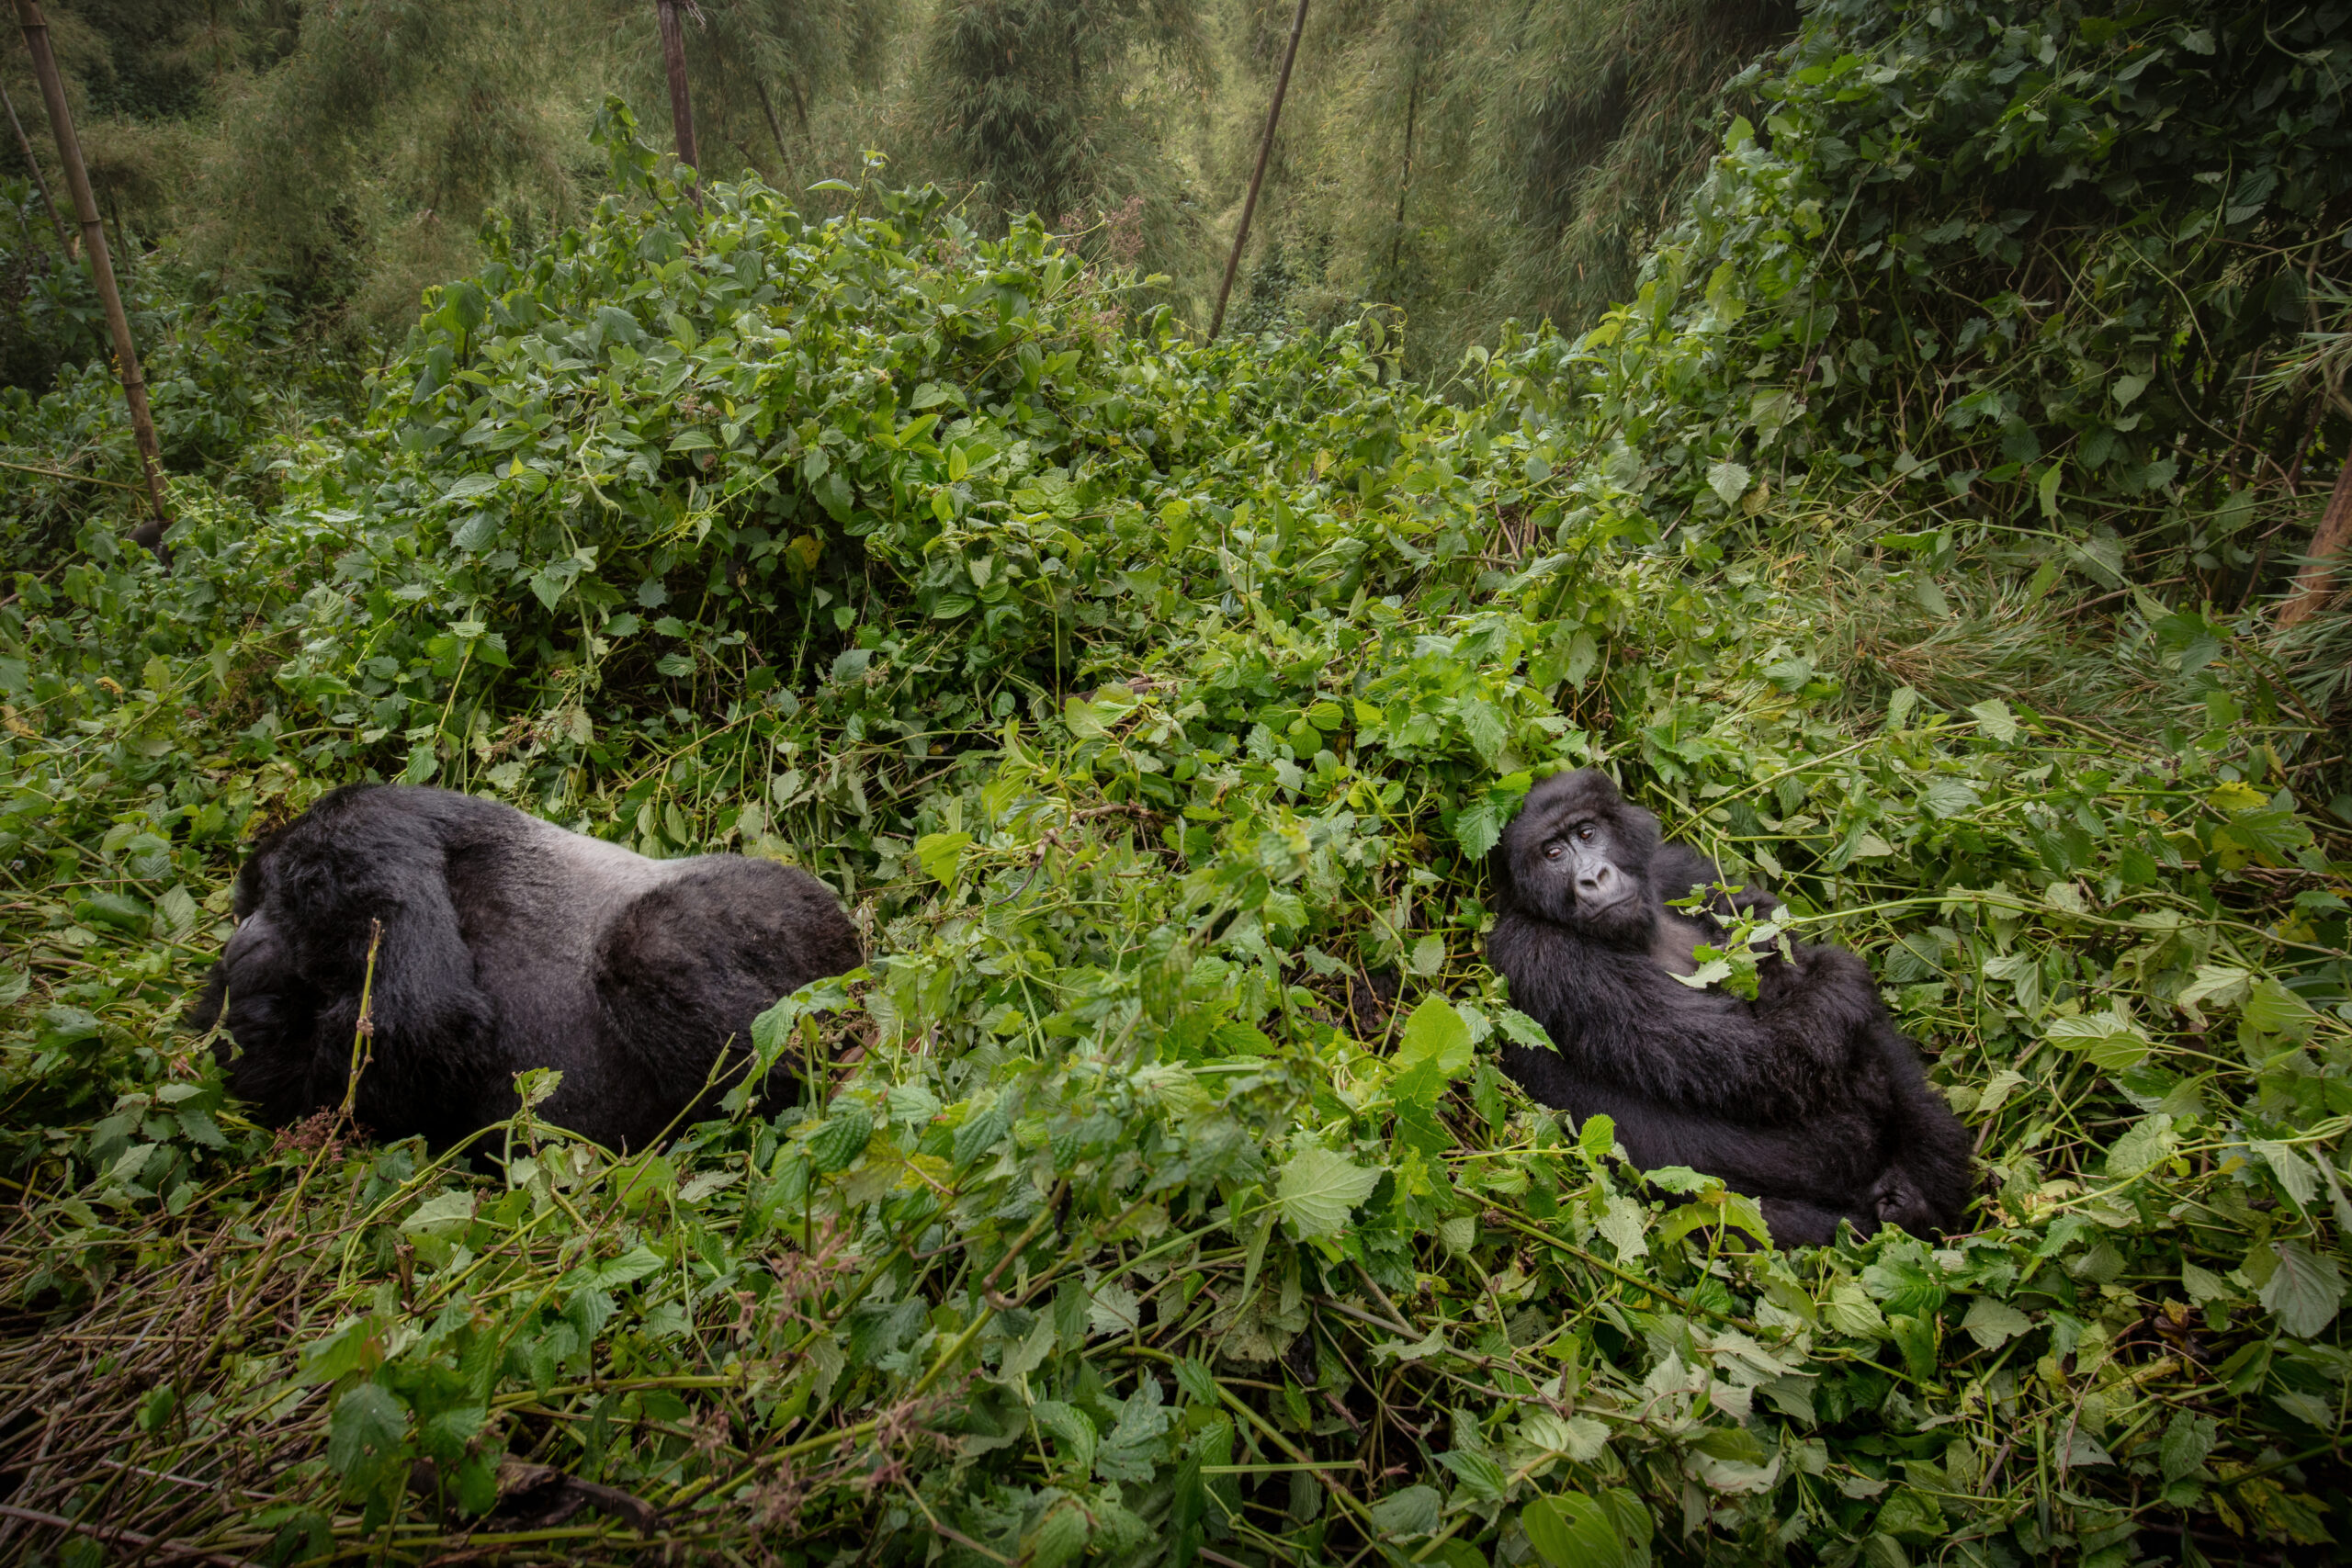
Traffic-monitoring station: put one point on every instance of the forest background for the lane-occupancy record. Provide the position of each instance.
(1903, 440)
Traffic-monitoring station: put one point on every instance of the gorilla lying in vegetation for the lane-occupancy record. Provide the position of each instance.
(507, 943)
(1806, 1099)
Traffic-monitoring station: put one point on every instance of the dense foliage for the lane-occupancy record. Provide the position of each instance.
(1154, 1195)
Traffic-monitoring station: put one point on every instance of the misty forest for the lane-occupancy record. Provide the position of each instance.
(1132, 496)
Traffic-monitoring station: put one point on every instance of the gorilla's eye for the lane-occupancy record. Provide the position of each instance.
(1553, 849)
(1584, 834)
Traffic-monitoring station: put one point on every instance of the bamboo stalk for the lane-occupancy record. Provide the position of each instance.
(1258, 175)
(40, 181)
(681, 112)
(94, 244)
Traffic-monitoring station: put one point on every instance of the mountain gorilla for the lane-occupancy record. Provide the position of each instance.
(507, 943)
(1806, 1099)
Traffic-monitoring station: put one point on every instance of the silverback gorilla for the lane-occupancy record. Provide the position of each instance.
(507, 943)
(1806, 1099)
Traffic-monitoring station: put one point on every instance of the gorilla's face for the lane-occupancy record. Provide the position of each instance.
(1577, 855)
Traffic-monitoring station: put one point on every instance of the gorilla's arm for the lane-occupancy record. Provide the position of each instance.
(1831, 1158)
(1621, 1021)
(1925, 1188)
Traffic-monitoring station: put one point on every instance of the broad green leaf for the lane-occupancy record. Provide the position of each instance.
(1993, 1323)
(2217, 984)
(2188, 1438)
(1481, 1476)
(1729, 480)
(1573, 1532)
(2145, 1145)
(1317, 1190)
(1403, 1515)
(842, 1137)
(1995, 721)
(1436, 1035)
(443, 1211)
(369, 1423)
(2109, 1039)
(2304, 1290)
(940, 854)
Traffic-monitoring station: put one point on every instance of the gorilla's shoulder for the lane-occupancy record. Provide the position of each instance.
(745, 894)
(372, 809)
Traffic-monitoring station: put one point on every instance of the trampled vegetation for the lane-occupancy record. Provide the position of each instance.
(1914, 540)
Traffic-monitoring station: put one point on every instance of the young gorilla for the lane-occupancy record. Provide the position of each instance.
(1806, 1099)
(507, 943)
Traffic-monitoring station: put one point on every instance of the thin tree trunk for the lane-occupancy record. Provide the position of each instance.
(2317, 580)
(25, 144)
(93, 245)
(682, 111)
(1405, 183)
(1258, 175)
(776, 129)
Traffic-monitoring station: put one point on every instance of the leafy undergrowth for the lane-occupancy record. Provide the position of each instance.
(1153, 706)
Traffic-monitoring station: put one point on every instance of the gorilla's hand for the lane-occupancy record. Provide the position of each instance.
(1897, 1200)
(1777, 977)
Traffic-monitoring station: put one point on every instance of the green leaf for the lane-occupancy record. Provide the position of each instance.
(940, 854)
(1436, 1035)
(1415, 1511)
(1060, 1537)
(1317, 1190)
(2220, 984)
(441, 1213)
(2109, 1039)
(1478, 828)
(1573, 1532)
(2145, 1145)
(369, 1423)
(117, 909)
(1991, 1323)
(1729, 480)
(1995, 721)
(1521, 1030)
(1480, 1476)
(2304, 1290)
(1948, 797)
(2188, 1439)
(1435, 1050)
(842, 1137)
(634, 1264)
(355, 1346)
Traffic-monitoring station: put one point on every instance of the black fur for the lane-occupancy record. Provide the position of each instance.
(1807, 1098)
(507, 943)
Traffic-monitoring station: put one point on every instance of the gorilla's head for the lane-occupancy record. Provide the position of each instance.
(1578, 856)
